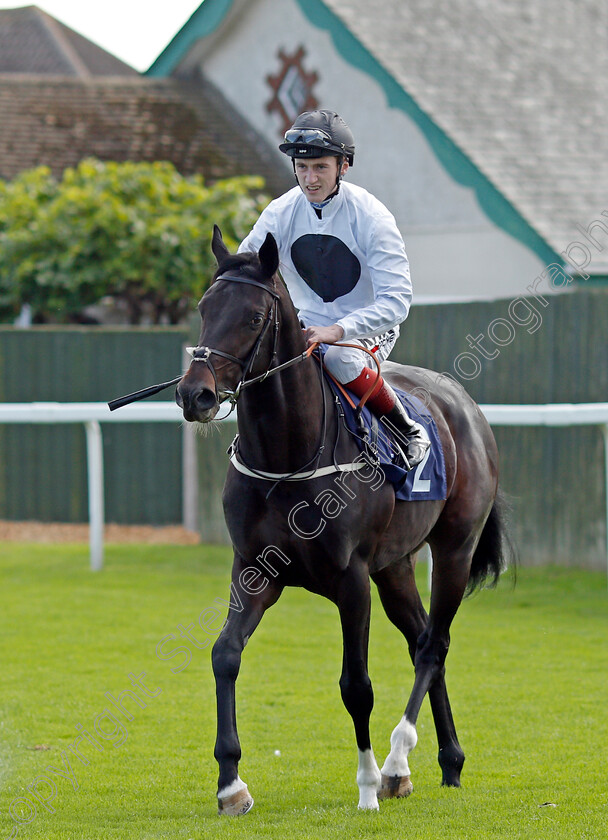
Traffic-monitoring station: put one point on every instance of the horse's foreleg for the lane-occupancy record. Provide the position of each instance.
(233, 795)
(355, 685)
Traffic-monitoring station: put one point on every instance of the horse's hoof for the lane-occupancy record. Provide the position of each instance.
(395, 787)
(236, 805)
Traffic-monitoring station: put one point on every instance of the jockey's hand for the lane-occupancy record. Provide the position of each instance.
(323, 335)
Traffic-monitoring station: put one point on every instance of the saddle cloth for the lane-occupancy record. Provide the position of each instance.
(427, 481)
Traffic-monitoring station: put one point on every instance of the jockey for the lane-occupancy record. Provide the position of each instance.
(344, 263)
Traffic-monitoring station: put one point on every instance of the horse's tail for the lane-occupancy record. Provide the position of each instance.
(495, 550)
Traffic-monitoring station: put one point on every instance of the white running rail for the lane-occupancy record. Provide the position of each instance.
(93, 414)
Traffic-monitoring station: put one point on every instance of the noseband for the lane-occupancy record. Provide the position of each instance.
(203, 354)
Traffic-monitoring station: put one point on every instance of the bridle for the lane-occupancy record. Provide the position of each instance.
(203, 354)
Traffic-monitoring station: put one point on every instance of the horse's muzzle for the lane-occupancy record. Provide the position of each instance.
(199, 404)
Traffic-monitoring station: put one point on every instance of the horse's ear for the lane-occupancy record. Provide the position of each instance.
(269, 256)
(220, 252)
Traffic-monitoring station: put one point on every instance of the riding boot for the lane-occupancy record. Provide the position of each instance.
(409, 437)
(406, 430)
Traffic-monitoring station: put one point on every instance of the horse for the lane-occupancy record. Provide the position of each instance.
(302, 511)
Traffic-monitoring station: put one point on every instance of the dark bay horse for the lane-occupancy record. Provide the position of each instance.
(330, 531)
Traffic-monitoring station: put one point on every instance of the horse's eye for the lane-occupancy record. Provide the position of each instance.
(257, 320)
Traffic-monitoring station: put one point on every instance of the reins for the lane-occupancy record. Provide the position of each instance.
(203, 354)
(357, 407)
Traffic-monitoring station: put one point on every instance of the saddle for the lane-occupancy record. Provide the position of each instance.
(427, 482)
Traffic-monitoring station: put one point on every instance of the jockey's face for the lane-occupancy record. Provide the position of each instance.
(318, 176)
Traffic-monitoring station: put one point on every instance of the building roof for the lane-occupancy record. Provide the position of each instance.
(57, 121)
(518, 86)
(63, 98)
(31, 41)
(508, 92)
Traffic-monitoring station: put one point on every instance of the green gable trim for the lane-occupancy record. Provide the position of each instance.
(205, 20)
(593, 280)
(454, 161)
(209, 17)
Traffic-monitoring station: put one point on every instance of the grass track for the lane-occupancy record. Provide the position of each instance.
(526, 673)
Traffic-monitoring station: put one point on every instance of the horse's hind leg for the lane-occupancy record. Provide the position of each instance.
(401, 601)
(451, 566)
(451, 754)
(354, 605)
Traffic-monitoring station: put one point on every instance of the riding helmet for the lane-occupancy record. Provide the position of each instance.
(318, 133)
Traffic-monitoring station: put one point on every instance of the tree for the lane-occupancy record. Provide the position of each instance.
(138, 232)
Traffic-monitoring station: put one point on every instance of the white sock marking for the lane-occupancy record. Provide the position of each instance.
(403, 741)
(368, 779)
(234, 787)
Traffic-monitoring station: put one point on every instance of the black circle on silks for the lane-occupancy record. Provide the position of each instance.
(326, 265)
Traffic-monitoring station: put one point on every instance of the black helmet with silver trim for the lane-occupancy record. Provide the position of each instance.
(318, 133)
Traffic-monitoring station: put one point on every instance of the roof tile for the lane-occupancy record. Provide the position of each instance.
(57, 121)
(31, 41)
(63, 98)
(519, 88)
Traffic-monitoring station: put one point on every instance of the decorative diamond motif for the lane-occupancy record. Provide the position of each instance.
(292, 89)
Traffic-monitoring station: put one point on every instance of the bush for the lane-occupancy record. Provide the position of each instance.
(138, 232)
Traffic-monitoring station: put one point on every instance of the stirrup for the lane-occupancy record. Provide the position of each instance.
(400, 459)
(416, 443)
